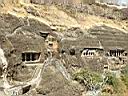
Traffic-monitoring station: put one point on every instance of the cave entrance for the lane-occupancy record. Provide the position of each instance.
(116, 52)
(44, 34)
(30, 56)
(72, 52)
(90, 52)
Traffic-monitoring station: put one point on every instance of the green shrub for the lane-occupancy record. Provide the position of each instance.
(88, 78)
(116, 83)
(124, 76)
(125, 80)
(112, 80)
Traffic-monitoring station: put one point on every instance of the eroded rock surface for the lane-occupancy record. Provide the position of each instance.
(28, 43)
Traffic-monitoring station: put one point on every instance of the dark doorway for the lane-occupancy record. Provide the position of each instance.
(30, 56)
(72, 51)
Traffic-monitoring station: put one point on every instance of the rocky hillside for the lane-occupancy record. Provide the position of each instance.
(63, 50)
(63, 17)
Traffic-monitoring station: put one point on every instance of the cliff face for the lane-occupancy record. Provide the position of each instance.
(84, 34)
(20, 35)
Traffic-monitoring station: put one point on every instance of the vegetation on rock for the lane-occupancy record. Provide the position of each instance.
(88, 78)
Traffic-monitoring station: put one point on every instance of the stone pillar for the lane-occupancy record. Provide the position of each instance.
(25, 57)
(116, 53)
(119, 53)
(30, 57)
